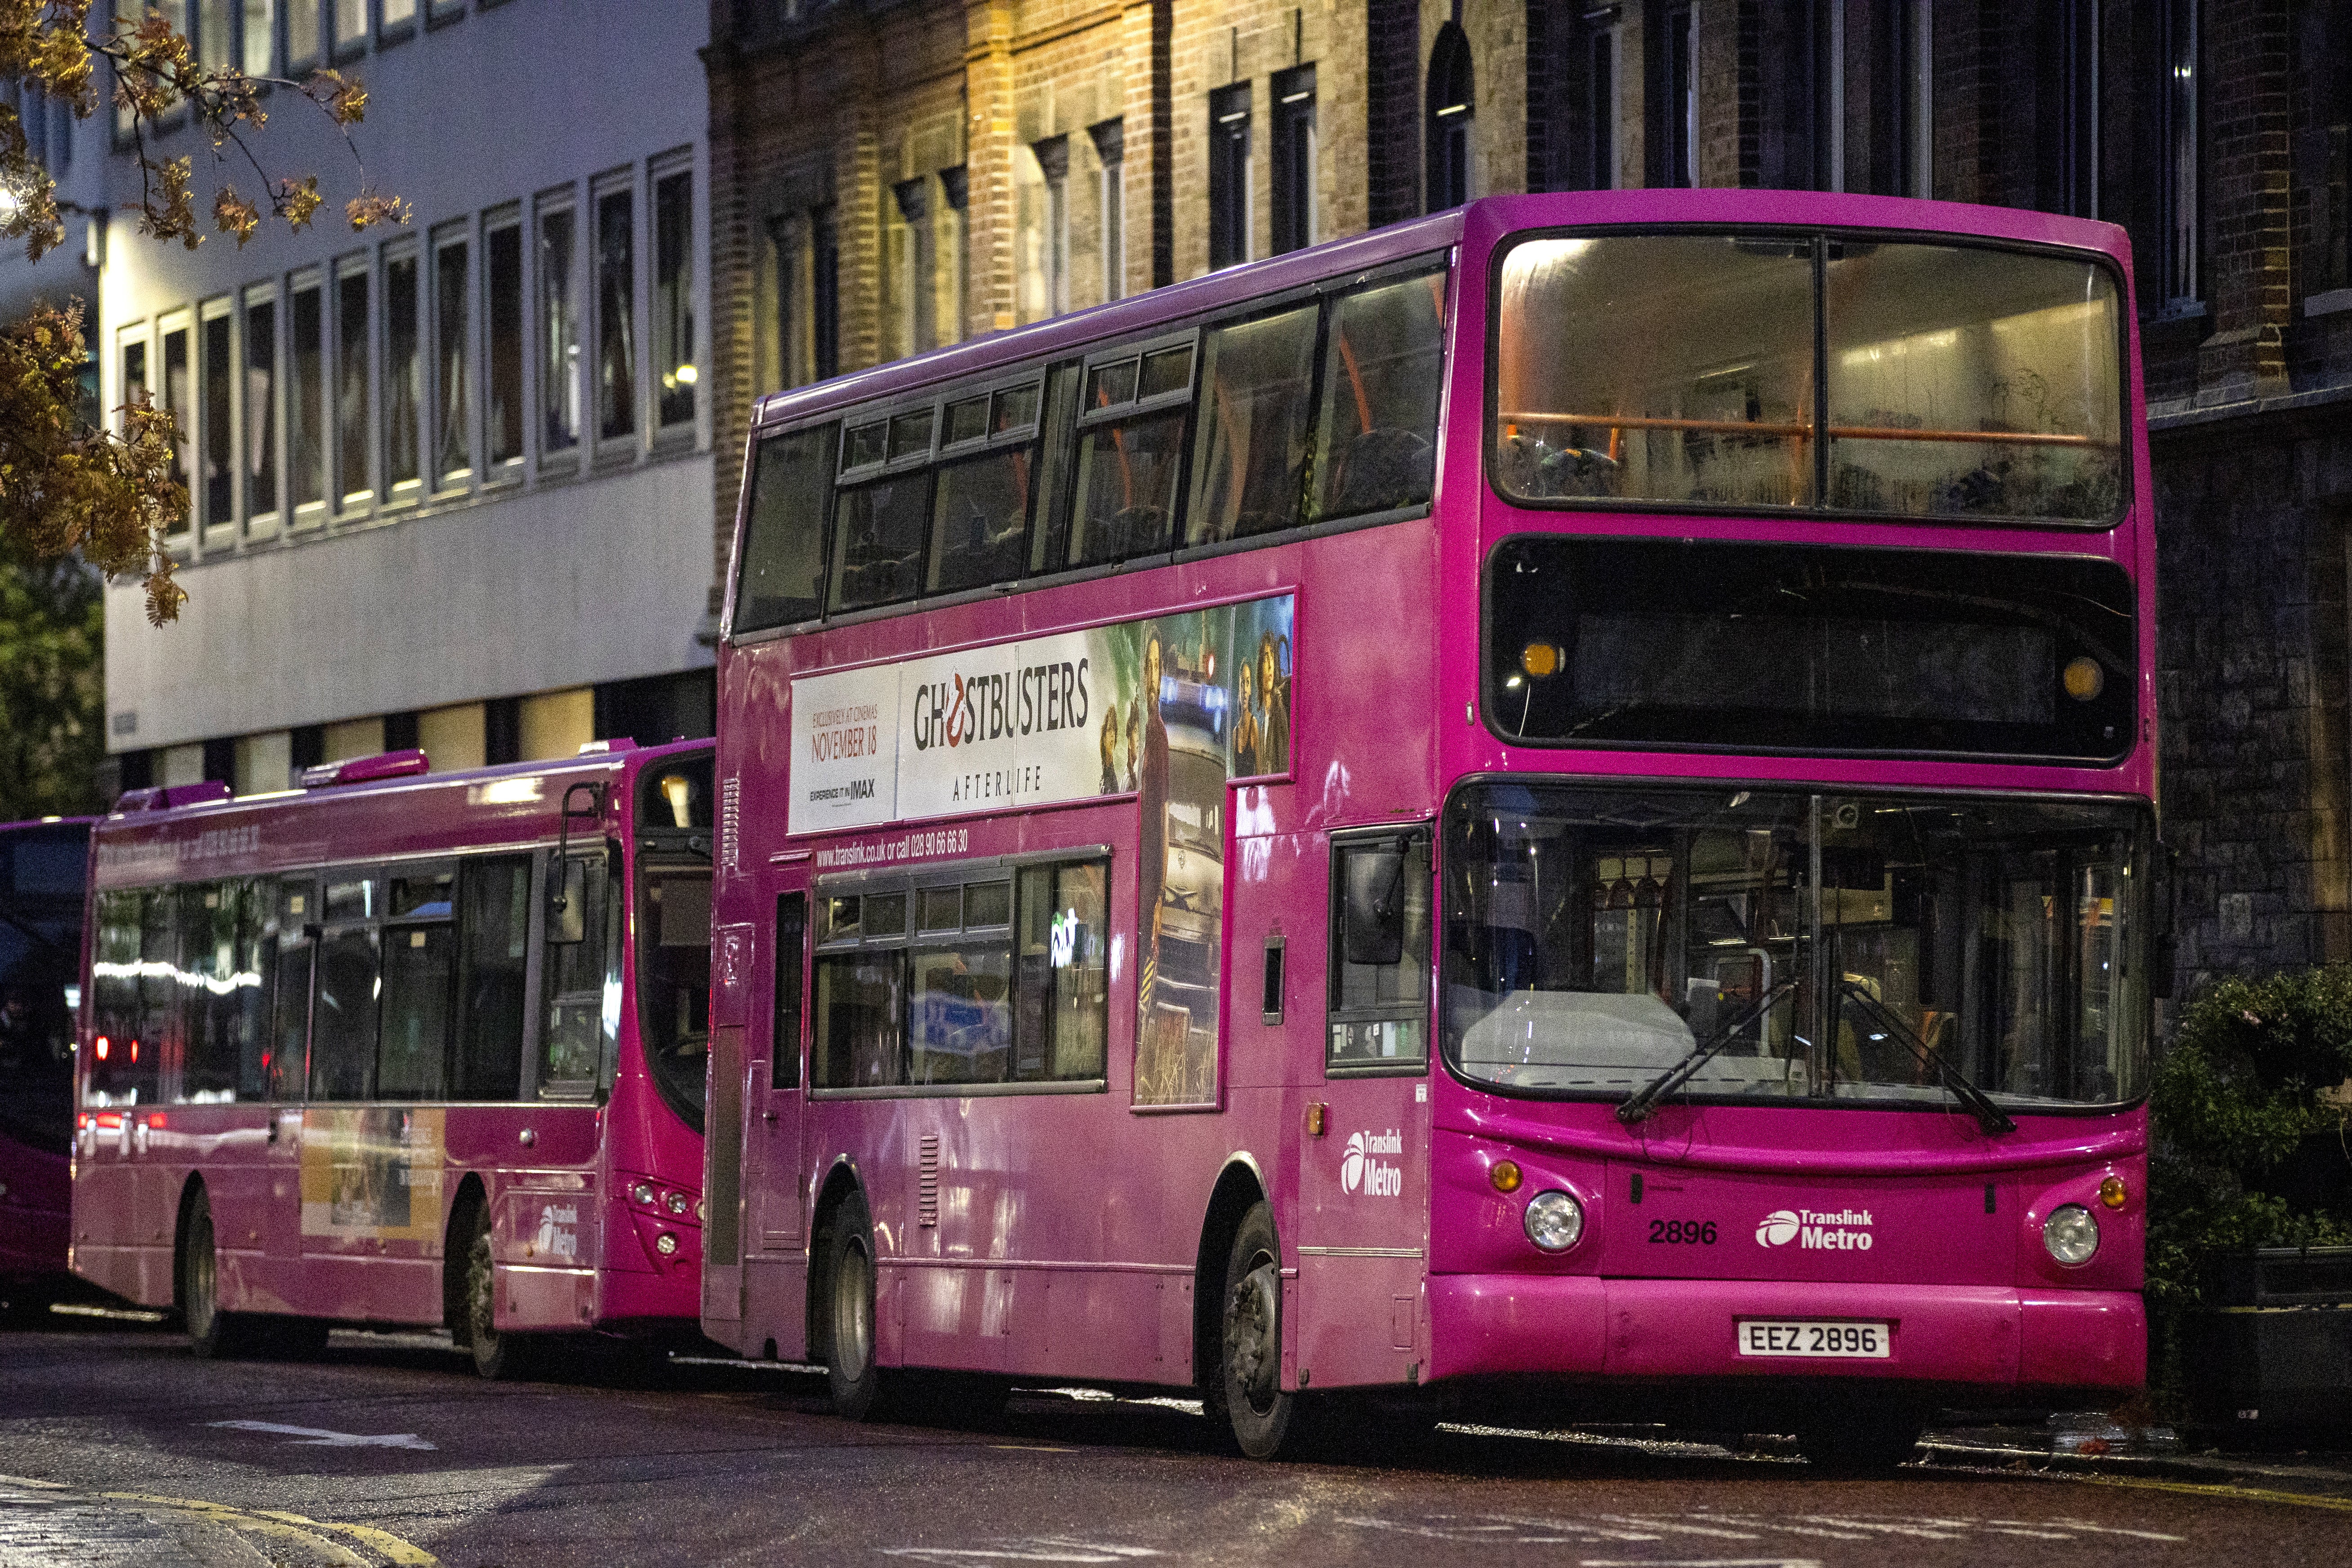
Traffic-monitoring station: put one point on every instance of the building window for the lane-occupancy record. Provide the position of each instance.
(559, 336)
(351, 421)
(502, 319)
(306, 406)
(674, 296)
(258, 36)
(1110, 198)
(2181, 195)
(1673, 130)
(1603, 102)
(952, 225)
(777, 313)
(350, 28)
(301, 35)
(1229, 192)
(216, 35)
(178, 401)
(398, 22)
(824, 292)
(453, 461)
(616, 293)
(2068, 103)
(260, 388)
(1446, 136)
(1045, 225)
(1294, 159)
(403, 371)
(219, 445)
(1901, 92)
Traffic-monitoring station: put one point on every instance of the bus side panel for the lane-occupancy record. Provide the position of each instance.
(546, 1231)
(225, 1142)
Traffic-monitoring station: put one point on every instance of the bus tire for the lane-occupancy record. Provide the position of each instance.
(1861, 1442)
(213, 1334)
(1249, 1340)
(499, 1356)
(858, 1387)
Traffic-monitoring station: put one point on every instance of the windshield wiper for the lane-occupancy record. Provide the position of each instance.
(1991, 1117)
(1644, 1100)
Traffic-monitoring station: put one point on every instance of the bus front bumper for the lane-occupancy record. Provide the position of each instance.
(1955, 1336)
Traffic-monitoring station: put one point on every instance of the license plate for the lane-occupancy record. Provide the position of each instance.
(1806, 1338)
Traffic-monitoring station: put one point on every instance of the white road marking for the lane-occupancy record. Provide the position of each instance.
(1701, 1563)
(319, 1438)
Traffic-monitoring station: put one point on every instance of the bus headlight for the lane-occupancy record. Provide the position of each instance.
(675, 1203)
(643, 1192)
(2072, 1235)
(1554, 1221)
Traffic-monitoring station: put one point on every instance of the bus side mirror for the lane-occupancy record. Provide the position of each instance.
(567, 912)
(1372, 907)
(2163, 971)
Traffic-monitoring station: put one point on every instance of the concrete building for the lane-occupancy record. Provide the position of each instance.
(450, 478)
(887, 176)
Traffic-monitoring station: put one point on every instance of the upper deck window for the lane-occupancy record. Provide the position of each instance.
(1318, 409)
(1950, 381)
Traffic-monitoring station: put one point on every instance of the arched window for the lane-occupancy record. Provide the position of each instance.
(1446, 136)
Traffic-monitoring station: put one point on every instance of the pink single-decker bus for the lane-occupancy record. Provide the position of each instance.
(400, 1048)
(1548, 808)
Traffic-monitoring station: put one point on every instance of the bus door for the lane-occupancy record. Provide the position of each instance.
(775, 1245)
(1364, 1188)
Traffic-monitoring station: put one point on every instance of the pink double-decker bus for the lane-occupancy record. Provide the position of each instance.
(43, 867)
(1546, 806)
(400, 1048)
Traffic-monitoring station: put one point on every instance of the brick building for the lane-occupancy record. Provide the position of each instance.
(887, 175)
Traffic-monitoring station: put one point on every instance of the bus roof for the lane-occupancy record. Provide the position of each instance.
(416, 814)
(1487, 216)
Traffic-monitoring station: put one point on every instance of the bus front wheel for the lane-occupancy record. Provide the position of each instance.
(499, 1355)
(855, 1382)
(1249, 1351)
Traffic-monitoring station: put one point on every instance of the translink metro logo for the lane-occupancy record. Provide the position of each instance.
(1847, 1230)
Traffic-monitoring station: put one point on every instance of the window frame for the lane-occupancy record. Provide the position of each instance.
(910, 941)
(261, 524)
(1049, 509)
(218, 528)
(2127, 500)
(1422, 831)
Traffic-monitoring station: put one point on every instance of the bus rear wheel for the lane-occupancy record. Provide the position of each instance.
(1249, 1341)
(499, 1355)
(213, 1334)
(858, 1387)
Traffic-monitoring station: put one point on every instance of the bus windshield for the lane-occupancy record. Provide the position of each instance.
(1846, 947)
(1962, 380)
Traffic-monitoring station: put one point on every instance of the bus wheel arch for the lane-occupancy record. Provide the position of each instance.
(456, 1245)
(1239, 1189)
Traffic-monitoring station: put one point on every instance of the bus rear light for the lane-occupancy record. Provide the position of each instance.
(2113, 1193)
(1505, 1175)
(156, 1119)
(110, 1123)
(104, 1045)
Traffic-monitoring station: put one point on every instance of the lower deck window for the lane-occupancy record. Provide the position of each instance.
(1003, 979)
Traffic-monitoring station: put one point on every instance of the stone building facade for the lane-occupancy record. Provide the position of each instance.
(891, 174)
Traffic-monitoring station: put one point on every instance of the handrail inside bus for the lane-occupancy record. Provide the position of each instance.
(1802, 431)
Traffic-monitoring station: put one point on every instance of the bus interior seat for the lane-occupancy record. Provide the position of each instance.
(1497, 959)
(1385, 467)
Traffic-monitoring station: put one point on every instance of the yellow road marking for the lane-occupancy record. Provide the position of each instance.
(2202, 1488)
(268, 1521)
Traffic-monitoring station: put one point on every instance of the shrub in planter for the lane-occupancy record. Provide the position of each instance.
(2252, 1151)
(2250, 1141)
